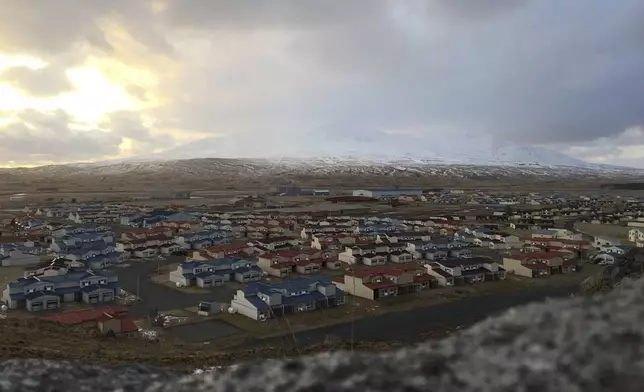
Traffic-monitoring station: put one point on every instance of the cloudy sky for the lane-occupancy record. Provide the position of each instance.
(88, 80)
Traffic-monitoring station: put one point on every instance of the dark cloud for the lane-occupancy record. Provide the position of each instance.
(278, 14)
(533, 72)
(542, 71)
(473, 10)
(44, 27)
(129, 125)
(48, 81)
(48, 137)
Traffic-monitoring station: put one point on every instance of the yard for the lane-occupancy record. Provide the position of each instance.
(611, 231)
(8, 274)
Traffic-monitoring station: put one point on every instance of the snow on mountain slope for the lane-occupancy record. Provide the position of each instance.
(380, 148)
(324, 155)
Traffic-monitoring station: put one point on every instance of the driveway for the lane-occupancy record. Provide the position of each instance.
(157, 296)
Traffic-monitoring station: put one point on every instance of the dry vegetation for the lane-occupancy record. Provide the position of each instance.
(611, 231)
(40, 339)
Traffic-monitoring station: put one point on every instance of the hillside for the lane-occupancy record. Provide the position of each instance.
(329, 172)
(374, 146)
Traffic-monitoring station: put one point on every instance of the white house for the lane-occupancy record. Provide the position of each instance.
(636, 235)
(347, 256)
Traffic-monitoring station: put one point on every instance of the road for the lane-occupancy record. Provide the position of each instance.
(157, 296)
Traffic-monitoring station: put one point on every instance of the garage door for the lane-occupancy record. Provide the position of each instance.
(52, 304)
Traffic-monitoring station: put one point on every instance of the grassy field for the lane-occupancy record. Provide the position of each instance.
(612, 231)
(8, 274)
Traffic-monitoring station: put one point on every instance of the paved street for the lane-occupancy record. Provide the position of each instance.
(161, 297)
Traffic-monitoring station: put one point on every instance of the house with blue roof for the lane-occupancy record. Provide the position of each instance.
(47, 292)
(216, 272)
(87, 252)
(262, 301)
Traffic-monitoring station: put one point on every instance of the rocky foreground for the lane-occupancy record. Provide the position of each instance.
(580, 344)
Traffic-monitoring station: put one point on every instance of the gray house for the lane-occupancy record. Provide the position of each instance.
(41, 292)
(209, 273)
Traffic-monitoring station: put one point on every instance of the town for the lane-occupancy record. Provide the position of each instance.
(156, 266)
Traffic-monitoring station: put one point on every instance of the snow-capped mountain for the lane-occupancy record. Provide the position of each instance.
(381, 157)
(381, 148)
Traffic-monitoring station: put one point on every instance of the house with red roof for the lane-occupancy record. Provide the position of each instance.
(381, 282)
(527, 265)
(116, 324)
(283, 263)
(83, 316)
(229, 250)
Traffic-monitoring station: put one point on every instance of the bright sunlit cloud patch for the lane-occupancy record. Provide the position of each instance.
(95, 96)
(12, 99)
(7, 61)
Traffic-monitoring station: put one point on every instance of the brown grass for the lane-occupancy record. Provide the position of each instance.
(612, 231)
(8, 274)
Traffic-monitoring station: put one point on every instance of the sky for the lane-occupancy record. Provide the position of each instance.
(94, 80)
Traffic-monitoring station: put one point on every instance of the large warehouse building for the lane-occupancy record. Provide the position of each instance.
(378, 193)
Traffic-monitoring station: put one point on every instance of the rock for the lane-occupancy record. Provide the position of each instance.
(587, 344)
(45, 375)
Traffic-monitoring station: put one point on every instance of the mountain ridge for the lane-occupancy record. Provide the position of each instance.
(379, 148)
(347, 161)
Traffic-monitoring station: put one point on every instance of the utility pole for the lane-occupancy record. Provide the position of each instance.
(138, 284)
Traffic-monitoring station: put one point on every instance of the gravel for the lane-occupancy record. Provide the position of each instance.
(579, 344)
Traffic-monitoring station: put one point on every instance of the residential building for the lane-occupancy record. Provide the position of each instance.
(442, 277)
(471, 270)
(526, 267)
(282, 263)
(262, 301)
(17, 255)
(41, 292)
(636, 235)
(387, 193)
(381, 282)
(229, 250)
(216, 272)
